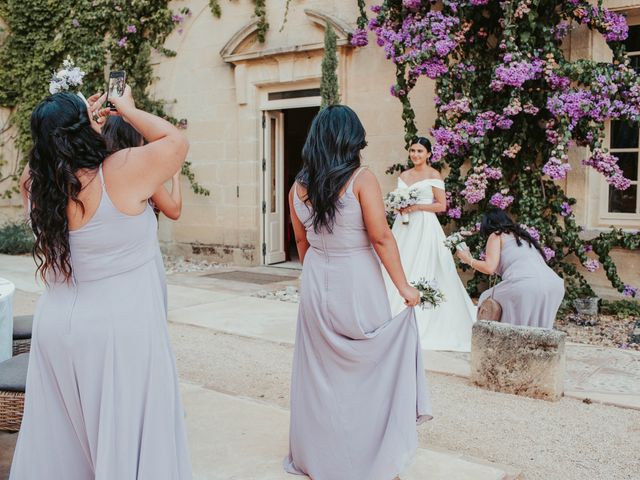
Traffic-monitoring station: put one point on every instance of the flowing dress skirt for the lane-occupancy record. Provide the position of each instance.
(358, 386)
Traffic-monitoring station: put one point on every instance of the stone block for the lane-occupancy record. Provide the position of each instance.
(518, 360)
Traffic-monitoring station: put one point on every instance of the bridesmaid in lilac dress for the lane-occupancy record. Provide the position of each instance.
(102, 398)
(358, 387)
(530, 292)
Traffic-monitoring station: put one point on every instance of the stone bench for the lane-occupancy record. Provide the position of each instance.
(518, 360)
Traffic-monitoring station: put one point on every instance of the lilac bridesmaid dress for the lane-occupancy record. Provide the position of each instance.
(530, 292)
(102, 398)
(358, 386)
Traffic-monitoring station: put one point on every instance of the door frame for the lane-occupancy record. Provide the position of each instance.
(265, 107)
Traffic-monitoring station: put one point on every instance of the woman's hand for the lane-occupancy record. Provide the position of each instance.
(411, 295)
(97, 114)
(125, 103)
(464, 256)
(409, 209)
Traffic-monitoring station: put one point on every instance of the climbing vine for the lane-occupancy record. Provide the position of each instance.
(260, 11)
(98, 35)
(510, 105)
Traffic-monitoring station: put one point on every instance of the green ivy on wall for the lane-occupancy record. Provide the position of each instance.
(97, 35)
(260, 11)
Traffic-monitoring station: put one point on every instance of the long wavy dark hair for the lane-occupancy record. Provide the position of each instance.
(63, 143)
(119, 134)
(331, 154)
(497, 221)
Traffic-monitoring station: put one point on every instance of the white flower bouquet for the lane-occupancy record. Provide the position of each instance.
(68, 78)
(456, 240)
(401, 198)
(430, 295)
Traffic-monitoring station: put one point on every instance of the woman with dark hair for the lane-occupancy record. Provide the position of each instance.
(530, 292)
(424, 255)
(358, 385)
(102, 398)
(120, 135)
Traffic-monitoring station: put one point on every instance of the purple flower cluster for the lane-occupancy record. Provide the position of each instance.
(359, 38)
(557, 82)
(515, 74)
(607, 165)
(131, 29)
(457, 138)
(455, 212)
(475, 187)
(533, 231)
(566, 209)
(412, 4)
(591, 265)
(75, 22)
(549, 253)
(501, 201)
(455, 107)
(615, 26)
(630, 291)
(122, 42)
(420, 41)
(556, 169)
(561, 30)
(493, 173)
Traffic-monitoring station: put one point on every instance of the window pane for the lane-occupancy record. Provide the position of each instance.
(633, 40)
(635, 62)
(624, 134)
(628, 162)
(623, 201)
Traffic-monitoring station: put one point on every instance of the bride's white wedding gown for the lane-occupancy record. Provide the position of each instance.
(424, 255)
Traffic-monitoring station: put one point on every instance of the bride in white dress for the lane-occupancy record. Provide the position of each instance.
(424, 255)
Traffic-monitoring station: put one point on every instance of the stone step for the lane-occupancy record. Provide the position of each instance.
(234, 438)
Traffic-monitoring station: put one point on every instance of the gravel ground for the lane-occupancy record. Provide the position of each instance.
(184, 265)
(609, 331)
(565, 440)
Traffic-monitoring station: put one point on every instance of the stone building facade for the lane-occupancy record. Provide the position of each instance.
(249, 104)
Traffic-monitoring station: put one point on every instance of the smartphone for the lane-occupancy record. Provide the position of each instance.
(117, 82)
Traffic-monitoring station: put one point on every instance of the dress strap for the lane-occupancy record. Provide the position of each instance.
(101, 177)
(353, 178)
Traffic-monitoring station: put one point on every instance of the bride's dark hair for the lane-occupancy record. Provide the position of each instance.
(63, 143)
(331, 154)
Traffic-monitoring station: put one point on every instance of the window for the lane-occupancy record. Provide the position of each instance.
(624, 145)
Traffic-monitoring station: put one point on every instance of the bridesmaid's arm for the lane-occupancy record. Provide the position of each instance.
(492, 259)
(298, 229)
(369, 195)
(169, 203)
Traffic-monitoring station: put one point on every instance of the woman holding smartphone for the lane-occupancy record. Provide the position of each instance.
(424, 255)
(102, 398)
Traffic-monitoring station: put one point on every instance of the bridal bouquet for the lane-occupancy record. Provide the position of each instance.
(401, 198)
(68, 78)
(430, 296)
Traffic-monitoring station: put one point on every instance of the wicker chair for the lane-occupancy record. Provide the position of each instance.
(13, 377)
(22, 326)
